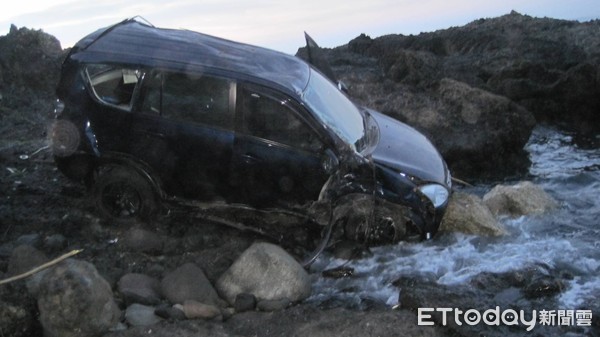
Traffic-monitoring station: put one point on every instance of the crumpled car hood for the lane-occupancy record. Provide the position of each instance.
(404, 149)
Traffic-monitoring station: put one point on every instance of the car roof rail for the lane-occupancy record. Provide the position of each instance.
(137, 18)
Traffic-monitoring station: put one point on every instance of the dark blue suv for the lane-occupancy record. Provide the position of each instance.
(147, 115)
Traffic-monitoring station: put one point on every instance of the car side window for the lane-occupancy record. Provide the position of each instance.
(113, 85)
(267, 117)
(187, 98)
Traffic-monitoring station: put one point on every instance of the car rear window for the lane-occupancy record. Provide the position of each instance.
(112, 85)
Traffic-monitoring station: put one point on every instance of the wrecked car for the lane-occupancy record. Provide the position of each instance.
(147, 116)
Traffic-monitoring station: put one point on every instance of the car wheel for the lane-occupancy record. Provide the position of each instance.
(383, 229)
(122, 194)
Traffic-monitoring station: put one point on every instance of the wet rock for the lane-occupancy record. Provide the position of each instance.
(140, 240)
(273, 305)
(266, 271)
(244, 302)
(468, 214)
(338, 272)
(141, 315)
(74, 300)
(523, 198)
(139, 288)
(194, 309)
(25, 258)
(544, 286)
(189, 282)
(529, 288)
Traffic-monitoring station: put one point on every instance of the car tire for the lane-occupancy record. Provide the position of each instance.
(383, 230)
(122, 194)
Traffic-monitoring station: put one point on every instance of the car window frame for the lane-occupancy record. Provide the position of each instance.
(298, 110)
(231, 94)
(91, 86)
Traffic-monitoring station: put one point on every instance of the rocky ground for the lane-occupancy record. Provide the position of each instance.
(427, 80)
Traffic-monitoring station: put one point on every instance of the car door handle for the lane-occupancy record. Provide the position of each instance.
(250, 159)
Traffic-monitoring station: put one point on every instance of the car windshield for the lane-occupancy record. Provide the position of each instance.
(336, 111)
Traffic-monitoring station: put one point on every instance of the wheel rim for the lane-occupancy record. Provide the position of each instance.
(121, 200)
(382, 231)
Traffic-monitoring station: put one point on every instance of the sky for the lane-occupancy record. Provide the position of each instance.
(279, 24)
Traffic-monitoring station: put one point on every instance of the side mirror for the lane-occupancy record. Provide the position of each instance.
(330, 162)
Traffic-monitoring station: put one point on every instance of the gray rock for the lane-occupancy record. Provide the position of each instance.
(189, 282)
(25, 258)
(74, 300)
(273, 305)
(141, 315)
(139, 288)
(244, 302)
(523, 198)
(466, 213)
(194, 309)
(266, 271)
(141, 240)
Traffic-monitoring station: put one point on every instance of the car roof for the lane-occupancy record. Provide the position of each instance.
(133, 42)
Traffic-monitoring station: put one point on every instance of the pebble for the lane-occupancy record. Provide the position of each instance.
(194, 309)
(141, 315)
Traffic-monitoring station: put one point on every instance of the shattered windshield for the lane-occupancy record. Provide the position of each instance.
(335, 110)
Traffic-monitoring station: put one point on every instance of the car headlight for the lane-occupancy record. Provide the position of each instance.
(438, 194)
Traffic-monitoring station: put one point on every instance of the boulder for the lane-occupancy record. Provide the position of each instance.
(477, 90)
(189, 282)
(268, 272)
(75, 301)
(523, 198)
(466, 213)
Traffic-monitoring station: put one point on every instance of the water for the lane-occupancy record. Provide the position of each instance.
(568, 238)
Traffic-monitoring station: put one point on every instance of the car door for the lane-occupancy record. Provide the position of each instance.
(186, 131)
(277, 153)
